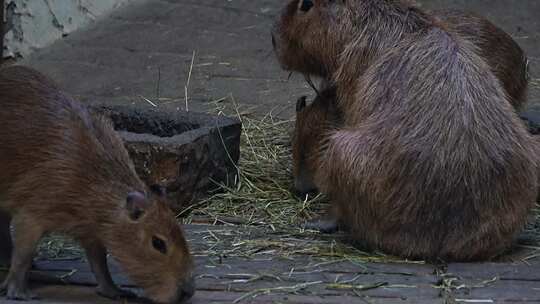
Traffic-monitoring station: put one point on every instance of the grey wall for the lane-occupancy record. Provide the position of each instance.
(33, 24)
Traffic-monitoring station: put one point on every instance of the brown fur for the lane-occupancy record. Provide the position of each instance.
(504, 56)
(65, 170)
(313, 123)
(432, 161)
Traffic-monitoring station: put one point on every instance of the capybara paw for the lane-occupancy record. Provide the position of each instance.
(115, 293)
(19, 294)
(324, 225)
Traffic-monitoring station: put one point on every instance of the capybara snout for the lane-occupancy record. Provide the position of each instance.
(185, 291)
(156, 253)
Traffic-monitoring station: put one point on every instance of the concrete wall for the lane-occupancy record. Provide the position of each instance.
(33, 24)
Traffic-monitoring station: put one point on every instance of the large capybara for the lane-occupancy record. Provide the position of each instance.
(504, 56)
(431, 160)
(502, 53)
(63, 169)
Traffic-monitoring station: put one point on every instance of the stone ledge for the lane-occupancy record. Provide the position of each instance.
(189, 153)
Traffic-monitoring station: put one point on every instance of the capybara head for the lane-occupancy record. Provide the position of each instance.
(313, 36)
(149, 244)
(313, 123)
(310, 35)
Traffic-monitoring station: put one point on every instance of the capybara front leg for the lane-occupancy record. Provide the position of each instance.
(327, 223)
(97, 258)
(25, 240)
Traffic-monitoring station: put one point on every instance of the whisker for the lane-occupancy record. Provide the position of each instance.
(289, 77)
(311, 84)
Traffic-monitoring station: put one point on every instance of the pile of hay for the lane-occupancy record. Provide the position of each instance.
(262, 195)
(262, 198)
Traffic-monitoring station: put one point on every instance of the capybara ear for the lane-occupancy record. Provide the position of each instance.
(136, 205)
(158, 190)
(300, 104)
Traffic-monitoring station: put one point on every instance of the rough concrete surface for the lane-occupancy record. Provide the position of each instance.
(33, 24)
(189, 153)
(148, 42)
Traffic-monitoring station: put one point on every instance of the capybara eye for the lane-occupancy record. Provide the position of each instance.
(306, 5)
(158, 190)
(300, 104)
(159, 244)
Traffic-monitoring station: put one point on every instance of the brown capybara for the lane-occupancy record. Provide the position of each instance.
(312, 123)
(63, 169)
(504, 56)
(502, 53)
(431, 161)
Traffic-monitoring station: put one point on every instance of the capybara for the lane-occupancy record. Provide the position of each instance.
(64, 169)
(313, 123)
(431, 160)
(501, 52)
(504, 56)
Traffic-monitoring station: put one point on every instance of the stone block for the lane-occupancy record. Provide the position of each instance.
(187, 152)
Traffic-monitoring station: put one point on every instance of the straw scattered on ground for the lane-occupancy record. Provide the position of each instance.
(59, 247)
(535, 83)
(262, 199)
(262, 195)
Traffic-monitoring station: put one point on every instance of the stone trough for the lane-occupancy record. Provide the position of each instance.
(187, 152)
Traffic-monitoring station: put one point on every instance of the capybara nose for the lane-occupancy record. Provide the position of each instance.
(307, 194)
(305, 189)
(186, 291)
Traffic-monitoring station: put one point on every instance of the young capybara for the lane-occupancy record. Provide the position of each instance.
(313, 123)
(431, 161)
(63, 169)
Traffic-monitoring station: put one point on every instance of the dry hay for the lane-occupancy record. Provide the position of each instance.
(262, 199)
(535, 83)
(262, 195)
